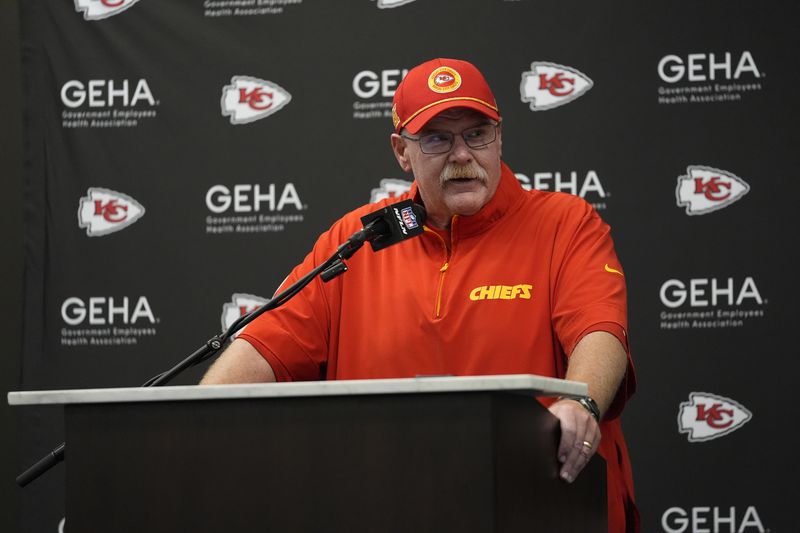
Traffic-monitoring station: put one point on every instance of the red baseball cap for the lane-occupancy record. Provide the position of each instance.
(436, 85)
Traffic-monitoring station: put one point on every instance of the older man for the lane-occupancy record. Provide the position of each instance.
(502, 281)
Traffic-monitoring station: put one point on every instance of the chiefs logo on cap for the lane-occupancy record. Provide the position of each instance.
(444, 80)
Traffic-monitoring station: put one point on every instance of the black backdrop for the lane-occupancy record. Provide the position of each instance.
(11, 267)
(156, 205)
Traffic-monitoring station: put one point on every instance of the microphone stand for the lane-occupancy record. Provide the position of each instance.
(330, 268)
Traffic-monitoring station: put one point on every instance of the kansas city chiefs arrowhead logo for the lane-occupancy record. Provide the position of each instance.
(384, 4)
(705, 189)
(240, 305)
(708, 416)
(389, 188)
(548, 85)
(100, 9)
(103, 211)
(248, 99)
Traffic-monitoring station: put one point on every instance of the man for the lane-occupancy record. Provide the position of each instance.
(502, 281)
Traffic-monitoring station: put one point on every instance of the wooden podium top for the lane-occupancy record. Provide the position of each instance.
(522, 383)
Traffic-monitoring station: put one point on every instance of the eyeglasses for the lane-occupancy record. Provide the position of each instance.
(442, 142)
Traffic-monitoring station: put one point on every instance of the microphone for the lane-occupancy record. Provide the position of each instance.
(382, 228)
(392, 224)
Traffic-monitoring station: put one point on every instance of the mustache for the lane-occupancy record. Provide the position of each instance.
(455, 170)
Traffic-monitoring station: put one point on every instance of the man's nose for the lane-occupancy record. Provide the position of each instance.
(460, 152)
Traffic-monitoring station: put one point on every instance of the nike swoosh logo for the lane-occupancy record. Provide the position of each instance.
(613, 270)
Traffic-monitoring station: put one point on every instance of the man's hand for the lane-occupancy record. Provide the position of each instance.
(580, 437)
(599, 360)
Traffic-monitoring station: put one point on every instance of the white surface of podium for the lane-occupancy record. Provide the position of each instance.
(523, 383)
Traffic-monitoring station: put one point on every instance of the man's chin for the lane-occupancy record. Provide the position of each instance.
(466, 203)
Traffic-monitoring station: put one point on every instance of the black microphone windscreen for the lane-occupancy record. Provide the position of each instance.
(395, 223)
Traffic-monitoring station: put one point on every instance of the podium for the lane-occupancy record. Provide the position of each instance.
(467, 454)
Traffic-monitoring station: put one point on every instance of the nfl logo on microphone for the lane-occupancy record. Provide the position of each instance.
(409, 219)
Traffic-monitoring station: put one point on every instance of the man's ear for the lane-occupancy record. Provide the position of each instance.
(399, 147)
(500, 139)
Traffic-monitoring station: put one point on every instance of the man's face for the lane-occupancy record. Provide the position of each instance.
(458, 182)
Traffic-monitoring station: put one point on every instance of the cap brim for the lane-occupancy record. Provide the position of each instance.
(415, 124)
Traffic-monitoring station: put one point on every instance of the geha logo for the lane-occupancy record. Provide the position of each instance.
(548, 85)
(675, 293)
(106, 93)
(240, 305)
(587, 186)
(710, 303)
(100, 9)
(385, 4)
(103, 211)
(106, 310)
(705, 189)
(704, 67)
(547, 181)
(248, 99)
(501, 292)
(717, 519)
(246, 198)
(708, 416)
(524, 181)
(389, 188)
(367, 83)
(375, 90)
